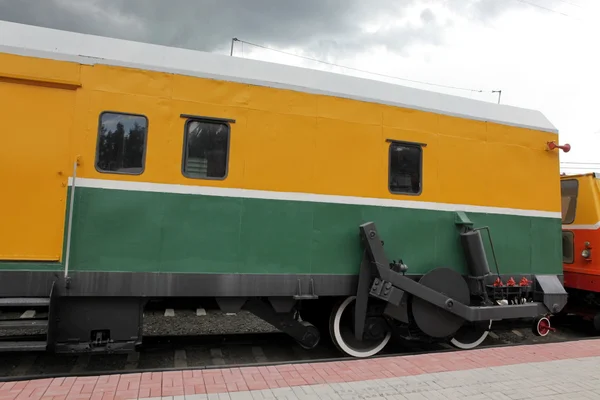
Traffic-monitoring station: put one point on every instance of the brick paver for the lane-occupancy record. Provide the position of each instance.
(546, 371)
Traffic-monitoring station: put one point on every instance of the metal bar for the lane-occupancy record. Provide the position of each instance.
(209, 119)
(362, 297)
(406, 143)
(70, 224)
(233, 40)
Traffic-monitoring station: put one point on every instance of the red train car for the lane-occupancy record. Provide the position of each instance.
(580, 236)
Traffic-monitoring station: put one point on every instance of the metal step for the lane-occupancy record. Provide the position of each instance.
(23, 323)
(22, 346)
(24, 302)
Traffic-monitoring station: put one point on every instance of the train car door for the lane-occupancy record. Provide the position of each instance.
(36, 120)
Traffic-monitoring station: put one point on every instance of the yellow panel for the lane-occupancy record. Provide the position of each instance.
(279, 152)
(462, 128)
(35, 125)
(282, 101)
(408, 119)
(517, 177)
(347, 159)
(463, 170)
(127, 80)
(349, 110)
(210, 91)
(39, 69)
(497, 133)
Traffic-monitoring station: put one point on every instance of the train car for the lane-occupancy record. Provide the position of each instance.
(580, 195)
(134, 172)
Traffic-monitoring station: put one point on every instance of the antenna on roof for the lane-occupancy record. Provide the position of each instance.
(493, 91)
(233, 40)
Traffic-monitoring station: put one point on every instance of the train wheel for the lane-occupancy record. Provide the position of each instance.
(341, 327)
(541, 326)
(470, 336)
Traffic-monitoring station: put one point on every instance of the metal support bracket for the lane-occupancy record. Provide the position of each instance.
(461, 219)
(307, 335)
(392, 281)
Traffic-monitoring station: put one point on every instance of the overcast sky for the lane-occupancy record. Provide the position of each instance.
(542, 54)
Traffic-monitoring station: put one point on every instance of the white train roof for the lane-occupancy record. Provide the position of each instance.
(89, 49)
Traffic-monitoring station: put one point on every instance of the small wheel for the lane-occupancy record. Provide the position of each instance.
(314, 331)
(470, 336)
(596, 322)
(541, 326)
(341, 328)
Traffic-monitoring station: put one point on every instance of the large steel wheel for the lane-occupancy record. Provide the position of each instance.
(472, 335)
(432, 320)
(341, 328)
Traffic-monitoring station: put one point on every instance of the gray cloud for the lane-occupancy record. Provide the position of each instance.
(325, 28)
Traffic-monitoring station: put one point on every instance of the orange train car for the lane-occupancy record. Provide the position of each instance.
(580, 239)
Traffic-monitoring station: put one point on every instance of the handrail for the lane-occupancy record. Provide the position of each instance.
(70, 223)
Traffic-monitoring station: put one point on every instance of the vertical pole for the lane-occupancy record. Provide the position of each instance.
(232, 41)
(70, 223)
(499, 94)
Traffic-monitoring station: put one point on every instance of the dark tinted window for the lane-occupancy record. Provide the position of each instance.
(121, 143)
(206, 148)
(568, 247)
(568, 193)
(405, 168)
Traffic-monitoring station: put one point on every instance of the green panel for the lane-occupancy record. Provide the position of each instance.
(511, 237)
(546, 247)
(156, 232)
(200, 233)
(336, 245)
(116, 230)
(276, 237)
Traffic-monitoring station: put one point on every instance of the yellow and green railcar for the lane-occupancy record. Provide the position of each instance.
(134, 172)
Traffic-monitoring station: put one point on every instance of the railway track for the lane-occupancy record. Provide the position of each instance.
(161, 352)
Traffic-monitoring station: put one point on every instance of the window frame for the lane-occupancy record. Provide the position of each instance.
(574, 199)
(572, 237)
(213, 120)
(97, 153)
(405, 143)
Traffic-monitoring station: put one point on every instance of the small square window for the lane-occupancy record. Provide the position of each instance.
(206, 148)
(569, 189)
(405, 168)
(121, 143)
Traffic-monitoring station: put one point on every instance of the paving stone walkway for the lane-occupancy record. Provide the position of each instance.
(546, 371)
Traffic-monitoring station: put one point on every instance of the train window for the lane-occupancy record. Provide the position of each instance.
(206, 148)
(405, 168)
(121, 143)
(568, 247)
(568, 191)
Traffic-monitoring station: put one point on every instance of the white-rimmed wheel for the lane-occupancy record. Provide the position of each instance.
(376, 335)
(471, 335)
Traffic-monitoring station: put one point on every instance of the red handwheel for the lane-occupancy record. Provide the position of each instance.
(542, 327)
